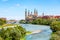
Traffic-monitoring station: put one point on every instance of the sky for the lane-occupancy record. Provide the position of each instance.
(15, 9)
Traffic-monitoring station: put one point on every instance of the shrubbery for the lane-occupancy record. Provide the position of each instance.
(55, 26)
(55, 35)
(15, 33)
(22, 21)
(41, 21)
(2, 22)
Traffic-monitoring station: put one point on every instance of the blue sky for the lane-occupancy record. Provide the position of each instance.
(14, 9)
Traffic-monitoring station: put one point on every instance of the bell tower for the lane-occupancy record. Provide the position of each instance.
(28, 12)
(43, 14)
(35, 12)
(25, 13)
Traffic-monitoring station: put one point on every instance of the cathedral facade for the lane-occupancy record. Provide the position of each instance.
(30, 16)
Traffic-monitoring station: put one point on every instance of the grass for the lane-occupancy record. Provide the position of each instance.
(0, 26)
(28, 32)
(23, 38)
(7, 25)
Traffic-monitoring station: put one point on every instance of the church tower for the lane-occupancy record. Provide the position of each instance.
(31, 13)
(25, 13)
(35, 12)
(43, 14)
(28, 12)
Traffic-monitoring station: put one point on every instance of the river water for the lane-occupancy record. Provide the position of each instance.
(44, 35)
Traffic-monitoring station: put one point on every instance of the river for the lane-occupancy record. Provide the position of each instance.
(44, 35)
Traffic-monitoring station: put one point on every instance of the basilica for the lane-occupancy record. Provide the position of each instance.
(30, 16)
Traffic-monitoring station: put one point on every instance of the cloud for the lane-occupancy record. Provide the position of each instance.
(17, 5)
(4, 0)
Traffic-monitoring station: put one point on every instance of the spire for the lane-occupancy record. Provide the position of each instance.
(31, 14)
(43, 14)
(25, 13)
(28, 12)
(35, 12)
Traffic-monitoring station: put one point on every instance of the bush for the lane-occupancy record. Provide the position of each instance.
(15, 33)
(2, 22)
(55, 26)
(55, 37)
(41, 21)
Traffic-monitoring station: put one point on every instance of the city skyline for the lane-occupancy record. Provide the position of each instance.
(15, 9)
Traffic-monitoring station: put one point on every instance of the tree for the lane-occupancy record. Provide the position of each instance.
(41, 21)
(55, 37)
(2, 22)
(55, 26)
(14, 33)
(22, 21)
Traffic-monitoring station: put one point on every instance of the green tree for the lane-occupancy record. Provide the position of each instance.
(15, 33)
(55, 37)
(41, 21)
(22, 21)
(55, 26)
(2, 22)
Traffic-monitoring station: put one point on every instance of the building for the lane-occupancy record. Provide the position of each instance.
(30, 16)
(57, 17)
